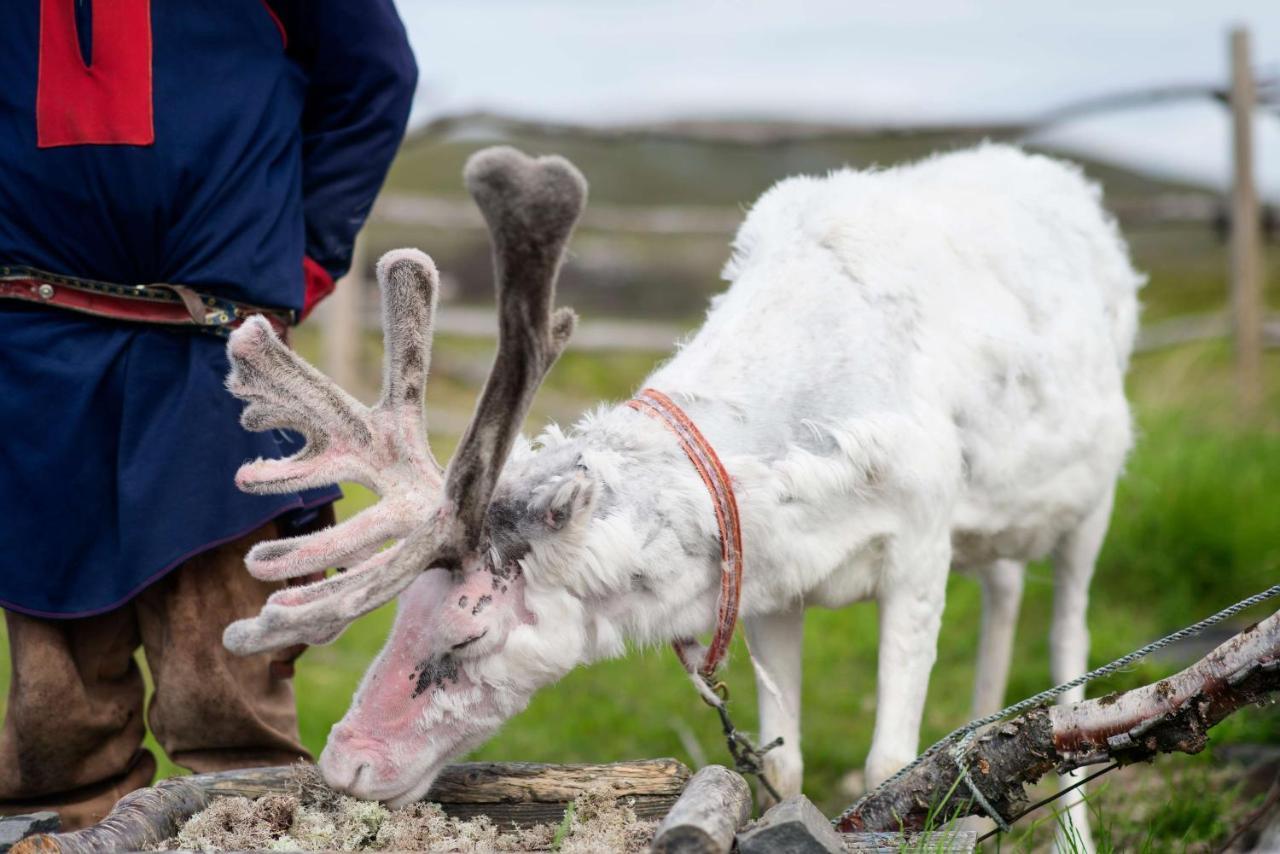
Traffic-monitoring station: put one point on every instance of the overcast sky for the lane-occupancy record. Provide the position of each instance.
(907, 61)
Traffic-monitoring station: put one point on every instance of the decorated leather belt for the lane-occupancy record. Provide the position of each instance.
(163, 304)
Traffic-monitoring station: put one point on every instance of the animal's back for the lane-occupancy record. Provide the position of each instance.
(982, 296)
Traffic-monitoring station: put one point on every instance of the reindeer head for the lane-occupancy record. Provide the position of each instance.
(469, 645)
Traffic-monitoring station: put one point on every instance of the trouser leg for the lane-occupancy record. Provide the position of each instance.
(73, 728)
(212, 710)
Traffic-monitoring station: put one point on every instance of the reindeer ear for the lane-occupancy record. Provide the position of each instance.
(566, 498)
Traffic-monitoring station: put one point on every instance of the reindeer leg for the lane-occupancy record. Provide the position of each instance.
(776, 642)
(1073, 564)
(912, 594)
(1001, 598)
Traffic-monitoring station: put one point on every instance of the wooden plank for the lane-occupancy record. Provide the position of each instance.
(457, 214)
(1192, 328)
(940, 841)
(410, 210)
(1246, 229)
(705, 819)
(341, 323)
(244, 782)
(521, 792)
(551, 812)
(531, 782)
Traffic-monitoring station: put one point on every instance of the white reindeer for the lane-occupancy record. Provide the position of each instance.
(914, 369)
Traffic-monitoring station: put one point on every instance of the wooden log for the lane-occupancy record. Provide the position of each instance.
(138, 820)
(705, 819)
(794, 826)
(1172, 715)
(521, 792)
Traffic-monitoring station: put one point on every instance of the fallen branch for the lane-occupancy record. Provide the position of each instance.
(1173, 715)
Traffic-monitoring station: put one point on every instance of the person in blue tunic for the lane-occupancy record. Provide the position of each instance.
(223, 155)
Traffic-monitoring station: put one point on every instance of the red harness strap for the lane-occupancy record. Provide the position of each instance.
(656, 404)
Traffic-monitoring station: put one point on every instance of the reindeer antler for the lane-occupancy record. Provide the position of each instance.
(531, 207)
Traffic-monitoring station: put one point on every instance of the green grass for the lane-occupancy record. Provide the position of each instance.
(1194, 530)
(1178, 803)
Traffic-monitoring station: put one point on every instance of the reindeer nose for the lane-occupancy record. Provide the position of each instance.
(346, 777)
(348, 762)
(362, 774)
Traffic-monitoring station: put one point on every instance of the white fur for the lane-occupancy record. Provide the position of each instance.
(913, 369)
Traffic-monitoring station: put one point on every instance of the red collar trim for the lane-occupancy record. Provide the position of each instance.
(699, 451)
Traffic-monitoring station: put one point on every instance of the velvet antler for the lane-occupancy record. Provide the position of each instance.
(531, 207)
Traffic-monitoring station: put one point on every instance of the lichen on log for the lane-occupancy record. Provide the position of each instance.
(523, 793)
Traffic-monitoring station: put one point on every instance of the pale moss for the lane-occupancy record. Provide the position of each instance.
(536, 838)
(310, 817)
(602, 823)
(357, 823)
(226, 824)
(313, 829)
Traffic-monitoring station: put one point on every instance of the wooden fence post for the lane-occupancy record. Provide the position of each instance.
(1246, 230)
(344, 323)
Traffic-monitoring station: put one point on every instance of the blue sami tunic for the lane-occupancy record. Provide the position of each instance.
(219, 144)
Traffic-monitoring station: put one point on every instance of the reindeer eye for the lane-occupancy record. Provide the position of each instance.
(470, 640)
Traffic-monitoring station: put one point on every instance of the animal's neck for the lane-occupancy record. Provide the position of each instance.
(653, 541)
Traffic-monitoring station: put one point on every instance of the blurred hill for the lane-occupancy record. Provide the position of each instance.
(648, 166)
(690, 165)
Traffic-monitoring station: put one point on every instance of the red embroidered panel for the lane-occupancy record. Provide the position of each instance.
(107, 102)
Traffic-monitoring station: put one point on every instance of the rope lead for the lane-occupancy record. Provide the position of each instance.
(747, 758)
